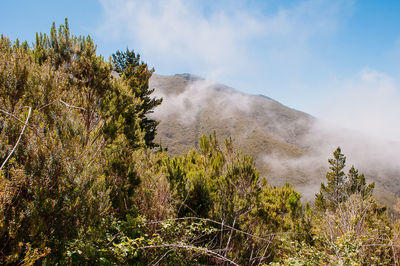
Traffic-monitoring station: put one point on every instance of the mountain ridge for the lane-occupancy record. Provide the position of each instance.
(286, 143)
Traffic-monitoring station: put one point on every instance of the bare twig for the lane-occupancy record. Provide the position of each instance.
(222, 234)
(210, 252)
(212, 221)
(34, 129)
(15, 117)
(230, 236)
(381, 245)
(95, 154)
(61, 101)
(45, 105)
(72, 106)
(158, 178)
(19, 138)
(160, 259)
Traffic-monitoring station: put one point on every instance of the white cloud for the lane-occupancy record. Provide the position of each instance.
(368, 103)
(186, 105)
(361, 116)
(226, 41)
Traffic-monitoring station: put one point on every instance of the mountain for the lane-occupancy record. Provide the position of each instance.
(288, 145)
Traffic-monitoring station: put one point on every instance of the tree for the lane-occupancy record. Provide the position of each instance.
(340, 186)
(334, 192)
(68, 172)
(356, 184)
(47, 189)
(136, 75)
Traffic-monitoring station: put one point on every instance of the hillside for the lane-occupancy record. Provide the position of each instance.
(194, 106)
(288, 145)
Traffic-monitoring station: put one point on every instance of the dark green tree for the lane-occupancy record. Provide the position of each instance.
(335, 191)
(136, 74)
(356, 184)
(341, 186)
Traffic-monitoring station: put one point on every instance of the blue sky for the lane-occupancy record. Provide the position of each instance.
(338, 60)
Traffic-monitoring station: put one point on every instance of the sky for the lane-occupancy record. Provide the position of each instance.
(337, 60)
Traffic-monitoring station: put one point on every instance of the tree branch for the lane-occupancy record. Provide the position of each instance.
(72, 106)
(15, 117)
(19, 138)
(210, 252)
(212, 221)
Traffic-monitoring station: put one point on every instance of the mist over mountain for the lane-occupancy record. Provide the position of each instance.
(104, 162)
(288, 145)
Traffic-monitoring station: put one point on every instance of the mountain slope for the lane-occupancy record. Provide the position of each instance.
(288, 145)
(197, 107)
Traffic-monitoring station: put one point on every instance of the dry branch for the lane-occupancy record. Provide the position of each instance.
(209, 252)
(19, 138)
(72, 106)
(224, 225)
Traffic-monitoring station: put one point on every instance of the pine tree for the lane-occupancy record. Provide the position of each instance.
(332, 194)
(340, 186)
(356, 184)
(137, 75)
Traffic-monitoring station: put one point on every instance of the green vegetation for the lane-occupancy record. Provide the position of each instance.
(83, 182)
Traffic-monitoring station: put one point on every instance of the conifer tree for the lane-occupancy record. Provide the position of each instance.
(334, 192)
(137, 75)
(356, 184)
(341, 186)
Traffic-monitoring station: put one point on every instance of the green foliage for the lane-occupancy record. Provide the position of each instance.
(333, 193)
(357, 184)
(279, 209)
(212, 183)
(81, 182)
(136, 76)
(349, 224)
(70, 171)
(340, 186)
(223, 185)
